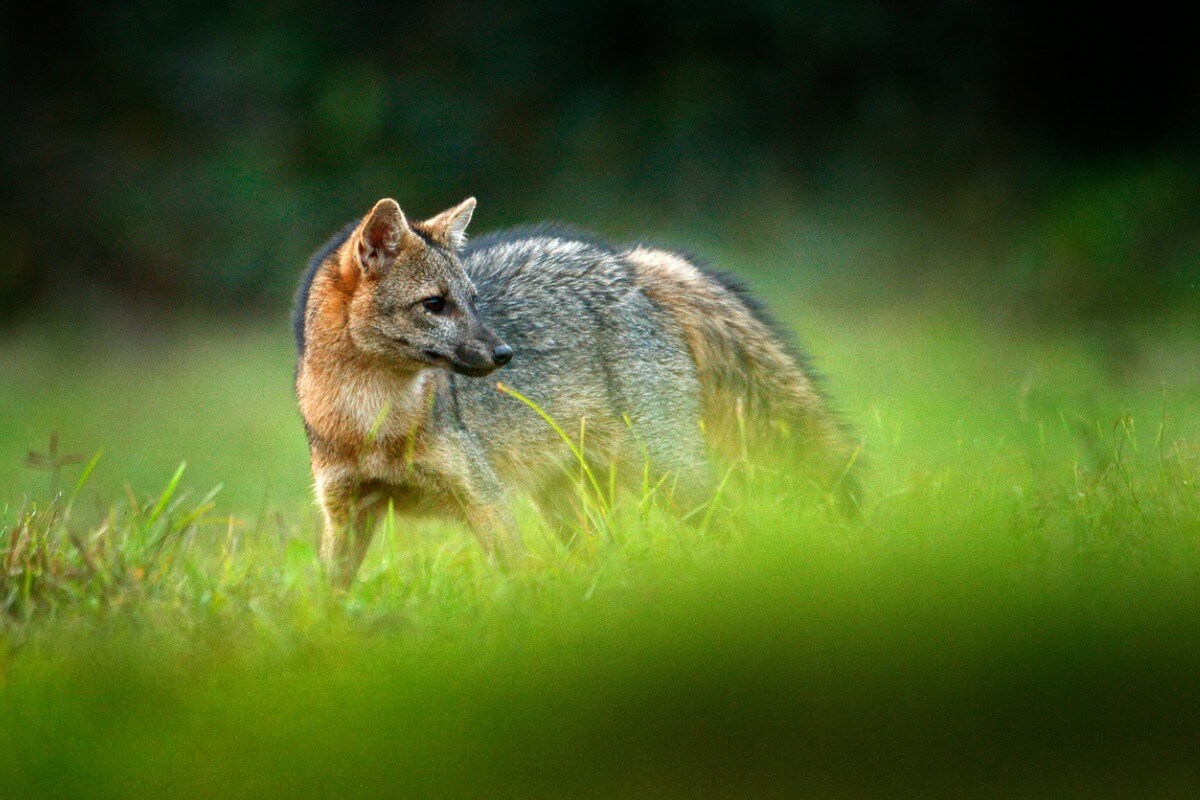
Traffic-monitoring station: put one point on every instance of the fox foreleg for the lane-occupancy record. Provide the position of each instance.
(495, 529)
(350, 521)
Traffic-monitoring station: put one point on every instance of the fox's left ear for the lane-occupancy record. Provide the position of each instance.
(380, 238)
(450, 227)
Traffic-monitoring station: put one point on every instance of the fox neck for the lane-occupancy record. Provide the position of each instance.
(358, 404)
(384, 401)
(361, 413)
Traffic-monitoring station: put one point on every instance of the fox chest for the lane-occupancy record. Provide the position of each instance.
(373, 422)
(379, 433)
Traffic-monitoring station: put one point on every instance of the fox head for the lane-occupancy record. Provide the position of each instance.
(412, 303)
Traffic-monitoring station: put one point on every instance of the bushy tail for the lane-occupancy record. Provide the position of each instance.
(757, 394)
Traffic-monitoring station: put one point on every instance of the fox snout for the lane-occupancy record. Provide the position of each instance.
(502, 354)
(480, 357)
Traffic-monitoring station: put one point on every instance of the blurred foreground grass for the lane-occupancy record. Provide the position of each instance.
(1017, 613)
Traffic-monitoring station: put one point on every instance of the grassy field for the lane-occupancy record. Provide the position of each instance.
(1016, 613)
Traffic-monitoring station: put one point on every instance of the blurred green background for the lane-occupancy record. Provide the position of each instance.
(171, 155)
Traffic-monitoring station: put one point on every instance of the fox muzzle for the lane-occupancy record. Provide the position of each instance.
(477, 358)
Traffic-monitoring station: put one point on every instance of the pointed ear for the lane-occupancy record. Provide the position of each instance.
(381, 237)
(450, 227)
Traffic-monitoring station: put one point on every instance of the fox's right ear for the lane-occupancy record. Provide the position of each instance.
(381, 237)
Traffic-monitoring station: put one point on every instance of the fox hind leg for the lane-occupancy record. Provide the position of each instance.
(668, 457)
(665, 449)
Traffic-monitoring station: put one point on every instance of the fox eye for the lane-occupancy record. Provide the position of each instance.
(435, 305)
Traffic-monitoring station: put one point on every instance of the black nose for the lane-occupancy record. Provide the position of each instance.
(502, 354)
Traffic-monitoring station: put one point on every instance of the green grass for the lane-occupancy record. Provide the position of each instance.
(1016, 613)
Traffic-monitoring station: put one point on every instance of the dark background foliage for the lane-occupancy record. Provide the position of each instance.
(183, 154)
